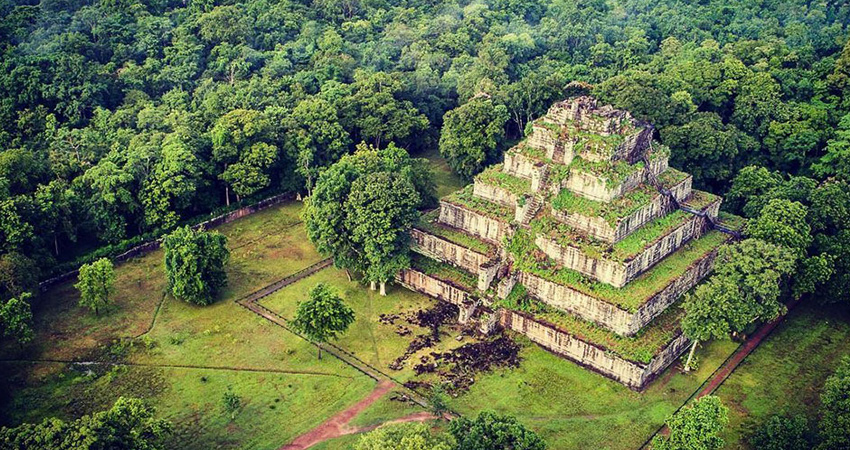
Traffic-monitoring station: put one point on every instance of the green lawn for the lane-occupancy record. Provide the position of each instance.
(370, 340)
(785, 374)
(573, 407)
(233, 346)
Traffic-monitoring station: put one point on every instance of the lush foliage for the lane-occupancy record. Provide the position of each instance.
(695, 427)
(490, 431)
(363, 207)
(16, 319)
(96, 283)
(835, 409)
(782, 433)
(194, 264)
(323, 316)
(129, 424)
(472, 134)
(409, 436)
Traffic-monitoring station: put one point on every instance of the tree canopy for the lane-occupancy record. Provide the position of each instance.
(323, 316)
(194, 264)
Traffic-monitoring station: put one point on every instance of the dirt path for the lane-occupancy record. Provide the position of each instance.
(339, 425)
(728, 367)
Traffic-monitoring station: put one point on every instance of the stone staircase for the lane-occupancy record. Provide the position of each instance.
(533, 206)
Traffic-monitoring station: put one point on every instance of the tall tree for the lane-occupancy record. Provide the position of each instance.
(194, 264)
(489, 431)
(16, 319)
(696, 427)
(744, 288)
(316, 137)
(244, 148)
(835, 409)
(172, 185)
(472, 135)
(382, 209)
(323, 316)
(96, 284)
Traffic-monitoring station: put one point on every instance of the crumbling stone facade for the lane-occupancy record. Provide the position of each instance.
(579, 254)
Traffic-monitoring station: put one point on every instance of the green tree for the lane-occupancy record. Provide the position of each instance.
(782, 222)
(244, 148)
(323, 316)
(695, 427)
(744, 288)
(407, 436)
(129, 424)
(472, 135)
(381, 210)
(172, 185)
(194, 264)
(18, 274)
(16, 319)
(96, 283)
(782, 433)
(330, 221)
(317, 138)
(836, 161)
(835, 409)
(490, 431)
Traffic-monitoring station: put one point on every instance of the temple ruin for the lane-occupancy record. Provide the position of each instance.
(583, 240)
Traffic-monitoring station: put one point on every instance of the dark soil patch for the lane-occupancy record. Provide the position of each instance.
(457, 369)
(432, 318)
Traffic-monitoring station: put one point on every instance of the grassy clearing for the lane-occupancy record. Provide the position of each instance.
(370, 340)
(573, 407)
(447, 181)
(785, 374)
(275, 407)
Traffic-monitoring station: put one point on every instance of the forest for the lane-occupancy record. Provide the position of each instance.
(122, 121)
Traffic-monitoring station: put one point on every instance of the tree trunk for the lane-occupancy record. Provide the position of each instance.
(56, 244)
(371, 285)
(691, 356)
(383, 288)
(319, 346)
(348, 274)
(227, 194)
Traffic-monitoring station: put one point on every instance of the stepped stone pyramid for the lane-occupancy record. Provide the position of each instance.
(583, 240)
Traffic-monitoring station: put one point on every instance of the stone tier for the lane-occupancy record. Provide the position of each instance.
(599, 304)
(614, 272)
(635, 375)
(476, 223)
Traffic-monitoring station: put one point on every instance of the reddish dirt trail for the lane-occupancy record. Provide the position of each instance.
(338, 425)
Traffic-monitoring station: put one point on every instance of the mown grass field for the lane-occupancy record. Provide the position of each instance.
(230, 346)
(786, 373)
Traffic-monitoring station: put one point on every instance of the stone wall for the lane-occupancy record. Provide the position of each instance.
(443, 250)
(596, 188)
(518, 165)
(473, 223)
(608, 315)
(432, 287)
(635, 375)
(542, 138)
(682, 190)
(494, 194)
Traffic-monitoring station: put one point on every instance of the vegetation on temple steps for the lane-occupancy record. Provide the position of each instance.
(444, 271)
(528, 258)
(194, 264)
(494, 176)
(323, 316)
(465, 198)
(428, 223)
(701, 199)
(613, 211)
(612, 173)
(649, 234)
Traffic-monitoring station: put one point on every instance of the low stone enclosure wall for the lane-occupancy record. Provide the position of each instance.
(473, 223)
(633, 374)
(608, 315)
(443, 250)
(618, 273)
(147, 247)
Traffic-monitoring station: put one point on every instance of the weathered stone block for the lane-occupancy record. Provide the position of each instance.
(494, 194)
(474, 223)
(443, 250)
(439, 289)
